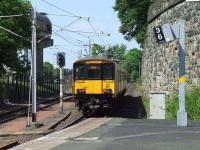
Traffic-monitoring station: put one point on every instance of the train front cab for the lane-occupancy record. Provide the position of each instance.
(94, 85)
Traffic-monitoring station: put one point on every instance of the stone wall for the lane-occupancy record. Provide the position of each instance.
(160, 61)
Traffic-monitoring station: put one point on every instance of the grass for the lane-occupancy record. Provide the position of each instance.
(192, 103)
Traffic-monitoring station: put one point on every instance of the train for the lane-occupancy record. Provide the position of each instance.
(98, 82)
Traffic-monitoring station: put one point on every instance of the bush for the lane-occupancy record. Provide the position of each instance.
(192, 104)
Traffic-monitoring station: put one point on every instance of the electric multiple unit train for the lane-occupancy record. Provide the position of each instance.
(97, 83)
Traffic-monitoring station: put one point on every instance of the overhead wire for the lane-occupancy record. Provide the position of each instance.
(87, 32)
(15, 34)
(95, 30)
(77, 33)
(18, 15)
(72, 39)
(67, 40)
(59, 15)
(58, 30)
(70, 14)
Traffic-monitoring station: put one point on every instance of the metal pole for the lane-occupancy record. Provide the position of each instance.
(61, 90)
(34, 77)
(90, 50)
(182, 114)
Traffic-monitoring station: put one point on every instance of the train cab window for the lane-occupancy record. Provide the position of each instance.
(94, 72)
(80, 72)
(108, 72)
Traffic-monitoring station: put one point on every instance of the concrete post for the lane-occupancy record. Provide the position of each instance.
(182, 114)
(34, 66)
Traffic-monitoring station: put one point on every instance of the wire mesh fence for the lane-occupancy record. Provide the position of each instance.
(15, 87)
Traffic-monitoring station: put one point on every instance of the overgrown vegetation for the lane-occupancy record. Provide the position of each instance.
(192, 104)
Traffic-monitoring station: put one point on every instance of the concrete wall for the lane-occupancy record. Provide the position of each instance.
(160, 61)
(44, 28)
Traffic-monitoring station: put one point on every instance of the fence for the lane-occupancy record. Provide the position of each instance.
(15, 87)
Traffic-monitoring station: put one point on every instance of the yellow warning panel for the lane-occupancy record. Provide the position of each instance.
(182, 79)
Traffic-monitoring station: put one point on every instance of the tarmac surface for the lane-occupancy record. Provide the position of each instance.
(135, 134)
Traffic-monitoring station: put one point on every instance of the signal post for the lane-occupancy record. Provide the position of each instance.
(61, 64)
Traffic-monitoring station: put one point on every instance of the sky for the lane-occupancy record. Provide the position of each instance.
(102, 19)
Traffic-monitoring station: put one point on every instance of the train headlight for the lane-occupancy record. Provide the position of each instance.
(81, 91)
(107, 91)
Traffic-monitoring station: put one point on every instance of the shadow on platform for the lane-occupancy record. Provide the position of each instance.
(130, 107)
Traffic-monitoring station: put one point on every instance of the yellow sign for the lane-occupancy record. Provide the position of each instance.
(182, 79)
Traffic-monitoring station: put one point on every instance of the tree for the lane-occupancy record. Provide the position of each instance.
(48, 69)
(11, 45)
(133, 17)
(132, 61)
(115, 52)
(97, 49)
(48, 66)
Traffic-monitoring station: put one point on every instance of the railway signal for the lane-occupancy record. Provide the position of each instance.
(61, 59)
(61, 64)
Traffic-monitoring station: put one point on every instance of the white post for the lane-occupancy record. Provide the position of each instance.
(61, 90)
(34, 71)
(182, 114)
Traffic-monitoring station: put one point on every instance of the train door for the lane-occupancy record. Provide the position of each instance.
(108, 78)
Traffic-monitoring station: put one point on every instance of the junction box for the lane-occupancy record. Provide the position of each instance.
(157, 105)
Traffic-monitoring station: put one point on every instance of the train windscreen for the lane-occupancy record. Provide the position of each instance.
(108, 72)
(94, 72)
(80, 72)
(87, 72)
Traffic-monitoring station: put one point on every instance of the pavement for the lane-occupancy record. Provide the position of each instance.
(120, 134)
(135, 134)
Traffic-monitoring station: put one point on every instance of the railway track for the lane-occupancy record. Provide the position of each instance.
(23, 111)
(59, 126)
(73, 118)
(6, 144)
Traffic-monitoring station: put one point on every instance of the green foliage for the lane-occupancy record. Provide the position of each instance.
(192, 104)
(48, 66)
(133, 17)
(115, 52)
(97, 49)
(172, 107)
(132, 61)
(10, 45)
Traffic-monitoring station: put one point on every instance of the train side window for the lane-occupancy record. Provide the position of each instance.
(80, 72)
(108, 72)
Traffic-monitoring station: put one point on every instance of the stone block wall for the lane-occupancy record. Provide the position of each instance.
(160, 61)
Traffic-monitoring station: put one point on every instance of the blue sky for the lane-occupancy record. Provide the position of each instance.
(102, 17)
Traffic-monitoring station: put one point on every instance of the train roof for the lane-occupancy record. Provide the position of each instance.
(91, 58)
(94, 58)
